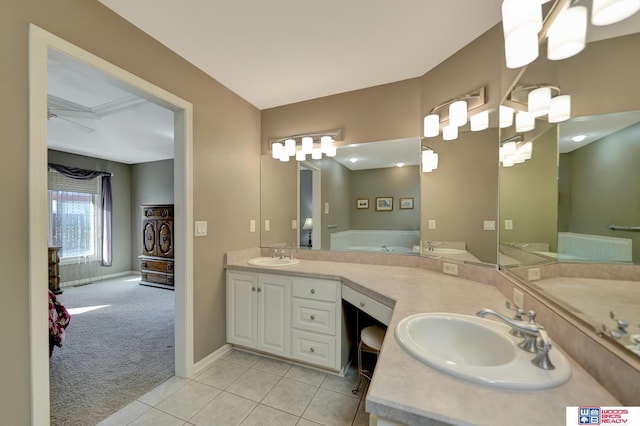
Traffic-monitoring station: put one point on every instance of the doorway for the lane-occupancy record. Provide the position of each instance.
(40, 42)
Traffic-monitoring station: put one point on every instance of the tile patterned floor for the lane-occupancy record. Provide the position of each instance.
(243, 388)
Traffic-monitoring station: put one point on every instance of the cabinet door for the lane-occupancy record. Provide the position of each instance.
(165, 238)
(274, 315)
(242, 308)
(149, 247)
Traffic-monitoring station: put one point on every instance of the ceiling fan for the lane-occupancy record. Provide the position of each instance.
(65, 112)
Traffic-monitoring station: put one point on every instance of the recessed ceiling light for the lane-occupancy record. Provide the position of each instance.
(579, 138)
(353, 159)
(399, 164)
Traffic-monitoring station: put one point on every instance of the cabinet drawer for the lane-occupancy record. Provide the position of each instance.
(158, 278)
(314, 316)
(372, 307)
(310, 288)
(315, 349)
(156, 265)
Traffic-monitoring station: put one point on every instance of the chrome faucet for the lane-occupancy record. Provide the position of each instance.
(533, 333)
(385, 248)
(432, 244)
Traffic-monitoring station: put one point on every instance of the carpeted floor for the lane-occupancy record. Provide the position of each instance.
(113, 353)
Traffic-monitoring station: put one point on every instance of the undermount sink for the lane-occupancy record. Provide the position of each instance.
(478, 350)
(446, 250)
(271, 261)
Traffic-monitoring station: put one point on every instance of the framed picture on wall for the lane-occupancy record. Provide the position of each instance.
(362, 203)
(384, 204)
(406, 203)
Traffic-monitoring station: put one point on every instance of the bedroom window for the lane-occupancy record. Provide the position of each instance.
(74, 217)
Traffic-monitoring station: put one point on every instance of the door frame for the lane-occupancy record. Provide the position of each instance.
(40, 41)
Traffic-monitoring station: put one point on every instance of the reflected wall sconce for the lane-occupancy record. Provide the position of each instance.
(300, 146)
(456, 113)
(308, 226)
(535, 101)
(429, 159)
(515, 151)
(564, 27)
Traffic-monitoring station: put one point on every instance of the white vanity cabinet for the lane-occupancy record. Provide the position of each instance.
(292, 317)
(259, 312)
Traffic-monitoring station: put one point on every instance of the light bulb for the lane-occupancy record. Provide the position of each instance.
(431, 125)
(539, 100)
(290, 147)
(567, 36)
(605, 12)
(525, 122)
(331, 151)
(506, 116)
(449, 132)
(560, 109)
(301, 156)
(276, 150)
(521, 22)
(521, 49)
(325, 143)
(307, 144)
(458, 113)
(316, 154)
(479, 121)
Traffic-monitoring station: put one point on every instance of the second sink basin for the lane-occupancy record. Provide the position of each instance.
(271, 261)
(478, 350)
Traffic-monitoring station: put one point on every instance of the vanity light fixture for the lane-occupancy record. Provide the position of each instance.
(456, 112)
(429, 160)
(535, 101)
(515, 151)
(565, 26)
(299, 146)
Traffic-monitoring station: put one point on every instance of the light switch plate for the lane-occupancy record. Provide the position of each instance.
(267, 225)
(533, 274)
(508, 224)
(252, 225)
(294, 224)
(432, 224)
(200, 228)
(489, 225)
(326, 208)
(518, 298)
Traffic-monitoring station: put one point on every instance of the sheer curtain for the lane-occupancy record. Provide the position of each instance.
(80, 221)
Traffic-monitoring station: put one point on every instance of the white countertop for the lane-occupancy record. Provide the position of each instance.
(405, 390)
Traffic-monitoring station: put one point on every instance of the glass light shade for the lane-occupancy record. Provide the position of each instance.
(479, 121)
(307, 144)
(505, 116)
(509, 149)
(316, 154)
(567, 35)
(290, 147)
(539, 101)
(458, 114)
(276, 150)
(325, 143)
(449, 132)
(525, 122)
(508, 162)
(520, 49)
(429, 161)
(521, 15)
(560, 109)
(301, 156)
(284, 157)
(331, 151)
(605, 12)
(431, 125)
(525, 151)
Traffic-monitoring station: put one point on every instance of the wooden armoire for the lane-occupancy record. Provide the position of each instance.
(156, 261)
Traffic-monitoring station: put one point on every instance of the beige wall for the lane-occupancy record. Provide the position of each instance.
(226, 147)
(462, 192)
(529, 195)
(602, 179)
(396, 182)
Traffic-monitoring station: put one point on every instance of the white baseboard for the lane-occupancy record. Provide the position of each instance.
(205, 362)
(98, 278)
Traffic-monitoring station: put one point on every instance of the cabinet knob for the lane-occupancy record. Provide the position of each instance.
(313, 317)
(362, 304)
(253, 289)
(312, 349)
(259, 289)
(313, 291)
(144, 264)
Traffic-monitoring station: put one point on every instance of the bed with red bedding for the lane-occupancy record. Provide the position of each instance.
(58, 321)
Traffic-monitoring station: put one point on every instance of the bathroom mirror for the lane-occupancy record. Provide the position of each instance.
(589, 185)
(365, 201)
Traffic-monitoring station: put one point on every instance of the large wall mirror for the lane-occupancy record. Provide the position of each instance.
(575, 204)
(366, 198)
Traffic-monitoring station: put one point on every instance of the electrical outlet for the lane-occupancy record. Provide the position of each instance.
(533, 274)
(252, 225)
(450, 268)
(432, 224)
(267, 225)
(518, 298)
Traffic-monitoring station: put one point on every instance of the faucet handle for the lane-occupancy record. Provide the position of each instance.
(532, 317)
(622, 325)
(518, 312)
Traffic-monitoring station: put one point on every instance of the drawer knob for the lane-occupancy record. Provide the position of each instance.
(313, 291)
(362, 304)
(144, 264)
(312, 349)
(313, 317)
